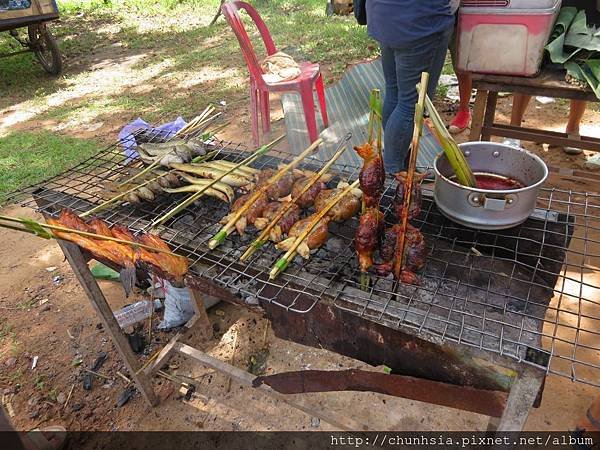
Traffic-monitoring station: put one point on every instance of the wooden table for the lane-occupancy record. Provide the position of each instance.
(549, 83)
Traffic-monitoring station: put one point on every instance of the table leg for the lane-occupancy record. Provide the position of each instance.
(478, 112)
(490, 115)
(90, 286)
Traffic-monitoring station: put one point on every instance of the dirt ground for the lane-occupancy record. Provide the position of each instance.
(45, 316)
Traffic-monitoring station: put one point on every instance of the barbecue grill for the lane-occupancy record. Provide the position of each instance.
(521, 298)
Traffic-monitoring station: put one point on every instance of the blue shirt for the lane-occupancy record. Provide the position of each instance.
(396, 23)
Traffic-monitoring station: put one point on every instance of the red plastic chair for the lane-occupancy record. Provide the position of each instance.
(259, 89)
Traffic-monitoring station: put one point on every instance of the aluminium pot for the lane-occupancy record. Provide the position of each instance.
(490, 209)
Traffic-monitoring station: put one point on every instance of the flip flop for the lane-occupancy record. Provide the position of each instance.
(38, 438)
(573, 150)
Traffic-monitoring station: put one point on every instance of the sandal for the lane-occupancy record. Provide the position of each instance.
(573, 150)
(48, 438)
(460, 122)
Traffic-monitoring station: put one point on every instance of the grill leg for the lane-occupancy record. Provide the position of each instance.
(478, 112)
(90, 286)
(522, 396)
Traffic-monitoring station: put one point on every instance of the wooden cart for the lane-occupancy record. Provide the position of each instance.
(33, 14)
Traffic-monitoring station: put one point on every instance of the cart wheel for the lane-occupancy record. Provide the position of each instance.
(45, 48)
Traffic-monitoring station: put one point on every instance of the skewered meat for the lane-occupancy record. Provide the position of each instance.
(315, 239)
(308, 198)
(347, 207)
(415, 252)
(252, 213)
(284, 224)
(372, 175)
(416, 197)
(283, 186)
(368, 237)
(169, 266)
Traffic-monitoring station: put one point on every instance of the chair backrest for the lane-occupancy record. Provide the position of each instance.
(231, 12)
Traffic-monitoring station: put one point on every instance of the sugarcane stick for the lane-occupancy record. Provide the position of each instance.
(263, 237)
(455, 156)
(259, 152)
(133, 189)
(410, 176)
(220, 237)
(74, 231)
(283, 262)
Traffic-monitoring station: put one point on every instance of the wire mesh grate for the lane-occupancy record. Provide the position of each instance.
(531, 293)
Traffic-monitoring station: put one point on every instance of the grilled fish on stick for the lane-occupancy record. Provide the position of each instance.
(372, 175)
(314, 240)
(291, 216)
(347, 207)
(416, 197)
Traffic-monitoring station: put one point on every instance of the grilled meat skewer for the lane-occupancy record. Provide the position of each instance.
(368, 237)
(254, 211)
(314, 240)
(416, 197)
(307, 199)
(415, 253)
(284, 224)
(347, 207)
(372, 175)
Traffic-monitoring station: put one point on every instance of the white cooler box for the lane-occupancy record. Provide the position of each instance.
(504, 37)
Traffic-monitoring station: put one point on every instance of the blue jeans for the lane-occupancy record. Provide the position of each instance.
(402, 68)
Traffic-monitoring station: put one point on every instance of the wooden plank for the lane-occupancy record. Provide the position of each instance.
(541, 91)
(105, 313)
(478, 112)
(554, 79)
(490, 114)
(246, 379)
(202, 317)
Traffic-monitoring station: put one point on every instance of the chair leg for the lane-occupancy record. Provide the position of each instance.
(265, 111)
(308, 104)
(321, 96)
(254, 114)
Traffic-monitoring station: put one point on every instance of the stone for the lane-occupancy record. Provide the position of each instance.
(45, 307)
(315, 422)
(76, 407)
(34, 414)
(61, 398)
(10, 362)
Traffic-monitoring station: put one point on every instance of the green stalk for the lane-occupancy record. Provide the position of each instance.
(455, 156)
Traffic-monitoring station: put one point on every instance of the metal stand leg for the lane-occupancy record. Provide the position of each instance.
(90, 286)
(521, 398)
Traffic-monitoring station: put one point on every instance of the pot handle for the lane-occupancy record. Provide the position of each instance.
(494, 204)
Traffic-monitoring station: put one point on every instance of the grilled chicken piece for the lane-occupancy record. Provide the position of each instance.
(308, 198)
(416, 198)
(282, 188)
(372, 175)
(284, 224)
(415, 252)
(343, 210)
(252, 213)
(368, 237)
(314, 240)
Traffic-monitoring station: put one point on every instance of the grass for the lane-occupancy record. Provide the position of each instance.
(27, 158)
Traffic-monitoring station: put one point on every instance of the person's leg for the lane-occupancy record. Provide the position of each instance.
(390, 101)
(520, 103)
(463, 116)
(576, 111)
(425, 55)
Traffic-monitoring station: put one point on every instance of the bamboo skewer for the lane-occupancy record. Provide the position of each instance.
(412, 166)
(262, 238)
(283, 262)
(259, 152)
(220, 237)
(73, 231)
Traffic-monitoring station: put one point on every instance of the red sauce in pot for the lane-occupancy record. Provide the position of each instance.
(494, 182)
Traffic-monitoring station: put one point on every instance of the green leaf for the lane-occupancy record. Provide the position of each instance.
(387, 370)
(36, 228)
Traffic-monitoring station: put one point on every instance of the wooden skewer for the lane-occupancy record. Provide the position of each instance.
(412, 167)
(282, 262)
(220, 237)
(259, 152)
(262, 238)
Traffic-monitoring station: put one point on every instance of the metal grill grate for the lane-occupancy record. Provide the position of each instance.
(531, 293)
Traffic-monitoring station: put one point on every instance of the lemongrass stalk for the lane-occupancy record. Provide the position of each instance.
(412, 167)
(455, 156)
(262, 238)
(259, 152)
(79, 232)
(283, 262)
(220, 237)
(209, 109)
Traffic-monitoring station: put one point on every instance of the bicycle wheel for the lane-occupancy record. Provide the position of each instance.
(45, 48)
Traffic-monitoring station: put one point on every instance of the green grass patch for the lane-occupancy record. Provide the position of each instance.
(27, 158)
